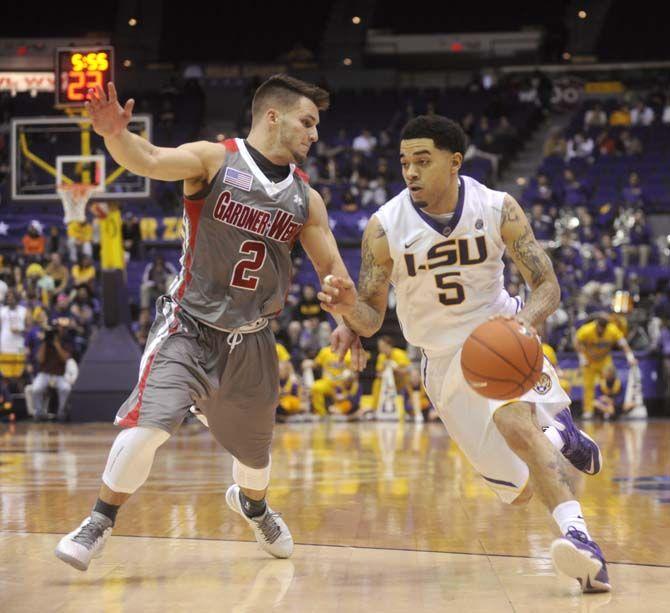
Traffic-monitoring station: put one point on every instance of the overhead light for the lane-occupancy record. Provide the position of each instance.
(581, 14)
(127, 63)
(356, 20)
(347, 61)
(132, 22)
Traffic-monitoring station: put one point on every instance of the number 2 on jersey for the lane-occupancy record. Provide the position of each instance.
(241, 277)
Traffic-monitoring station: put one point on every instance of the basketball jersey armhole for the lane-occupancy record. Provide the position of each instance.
(201, 194)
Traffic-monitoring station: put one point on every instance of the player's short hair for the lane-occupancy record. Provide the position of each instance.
(284, 91)
(446, 133)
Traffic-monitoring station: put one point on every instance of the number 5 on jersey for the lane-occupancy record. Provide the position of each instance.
(241, 277)
(454, 292)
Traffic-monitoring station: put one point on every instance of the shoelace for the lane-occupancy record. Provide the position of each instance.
(89, 534)
(578, 534)
(234, 338)
(269, 527)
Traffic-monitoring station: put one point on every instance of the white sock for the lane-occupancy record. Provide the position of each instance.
(551, 432)
(569, 514)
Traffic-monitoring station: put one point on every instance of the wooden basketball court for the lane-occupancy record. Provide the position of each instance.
(386, 517)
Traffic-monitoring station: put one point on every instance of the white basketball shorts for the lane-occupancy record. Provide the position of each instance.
(468, 418)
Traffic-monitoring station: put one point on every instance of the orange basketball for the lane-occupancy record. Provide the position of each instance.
(502, 359)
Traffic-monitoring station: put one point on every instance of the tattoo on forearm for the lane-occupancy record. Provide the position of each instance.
(526, 250)
(371, 279)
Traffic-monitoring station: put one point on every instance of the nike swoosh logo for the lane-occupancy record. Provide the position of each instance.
(408, 245)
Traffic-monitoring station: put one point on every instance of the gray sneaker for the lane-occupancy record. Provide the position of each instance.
(270, 530)
(86, 542)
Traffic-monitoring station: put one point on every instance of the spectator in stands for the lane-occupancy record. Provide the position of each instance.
(608, 144)
(365, 143)
(327, 196)
(58, 272)
(587, 232)
(82, 309)
(14, 320)
(574, 191)
(632, 195)
(567, 252)
(356, 167)
(611, 253)
(309, 338)
(543, 190)
(142, 327)
(34, 244)
(639, 240)
(157, 277)
(620, 116)
(324, 390)
(468, 124)
(372, 194)
(55, 241)
(308, 306)
(61, 309)
(631, 145)
(84, 273)
(292, 342)
(595, 117)
(397, 360)
(79, 239)
(132, 237)
(384, 171)
(600, 284)
(482, 128)
(580, 147)
(506, 134)
(52, 357)
(542, 224)
(39, 282)
(641, 114)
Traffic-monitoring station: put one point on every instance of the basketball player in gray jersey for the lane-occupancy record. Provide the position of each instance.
(245, 205)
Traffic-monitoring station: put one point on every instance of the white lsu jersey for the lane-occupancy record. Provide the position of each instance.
(448, 278)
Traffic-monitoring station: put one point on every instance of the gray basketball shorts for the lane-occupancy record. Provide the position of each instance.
(187, 363)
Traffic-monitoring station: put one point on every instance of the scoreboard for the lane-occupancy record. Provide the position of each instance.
(80, 68)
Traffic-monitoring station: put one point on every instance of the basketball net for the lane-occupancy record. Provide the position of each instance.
(74, 197)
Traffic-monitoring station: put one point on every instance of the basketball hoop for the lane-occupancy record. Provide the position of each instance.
(74, 197)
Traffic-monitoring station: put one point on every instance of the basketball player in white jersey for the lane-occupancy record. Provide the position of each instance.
(440, 243)
(245, 205)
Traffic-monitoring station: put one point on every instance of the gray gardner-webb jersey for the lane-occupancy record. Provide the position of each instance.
(238, 235)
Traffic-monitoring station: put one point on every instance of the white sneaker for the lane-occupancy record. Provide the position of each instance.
(270, 529)
(86, 542)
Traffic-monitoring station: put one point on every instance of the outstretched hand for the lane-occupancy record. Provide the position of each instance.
(337, 295)
(342, 339)
(108, 116)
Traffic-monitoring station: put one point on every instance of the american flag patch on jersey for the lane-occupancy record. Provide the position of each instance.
(237, 178)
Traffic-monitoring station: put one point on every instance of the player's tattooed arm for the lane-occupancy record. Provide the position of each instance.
(532, 261)
(367, 314)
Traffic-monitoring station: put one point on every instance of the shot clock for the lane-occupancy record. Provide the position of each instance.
(78, 70)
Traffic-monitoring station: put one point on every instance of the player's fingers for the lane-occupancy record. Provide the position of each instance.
(128, 109)
(327, 296)
(100, 93)
(111, 88)
(335, 342)
(345, 283)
